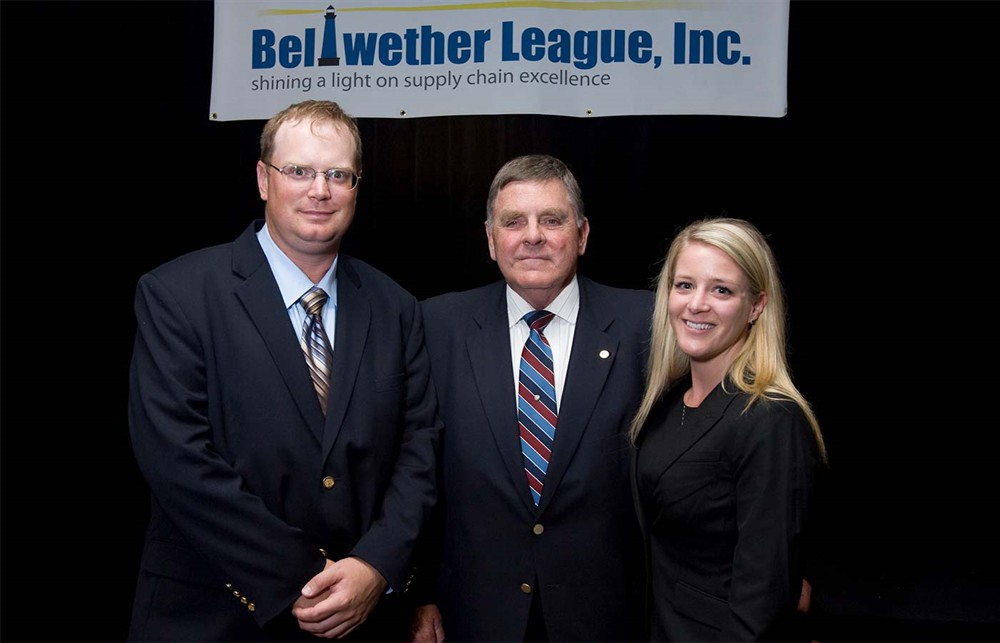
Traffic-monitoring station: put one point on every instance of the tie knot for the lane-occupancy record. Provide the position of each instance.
(313, 300)
(538, 319)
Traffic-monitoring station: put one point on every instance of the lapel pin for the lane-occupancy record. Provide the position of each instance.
(605, 353)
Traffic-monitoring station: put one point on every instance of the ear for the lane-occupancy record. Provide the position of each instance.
(489, 240)
(584, 234)
(758, 307)
(262, 180)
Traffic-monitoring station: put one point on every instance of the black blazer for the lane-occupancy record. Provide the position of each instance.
(248, 478)
(580, 548)
(723, 501)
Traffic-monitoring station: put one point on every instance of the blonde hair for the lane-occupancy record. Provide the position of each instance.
(761, 367)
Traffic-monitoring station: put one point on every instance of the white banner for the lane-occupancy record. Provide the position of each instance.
(395, 59)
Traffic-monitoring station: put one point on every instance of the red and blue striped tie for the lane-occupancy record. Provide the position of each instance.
(536, 402)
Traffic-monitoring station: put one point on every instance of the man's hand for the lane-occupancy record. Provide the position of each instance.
(805, 598)
(339, 598)
(426, 626)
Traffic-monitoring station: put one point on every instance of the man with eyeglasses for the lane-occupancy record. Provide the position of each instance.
(282, 413)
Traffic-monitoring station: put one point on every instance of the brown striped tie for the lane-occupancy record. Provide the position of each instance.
(316, 344)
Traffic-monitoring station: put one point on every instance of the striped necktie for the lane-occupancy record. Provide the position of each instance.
(536, 402)
(316, 344)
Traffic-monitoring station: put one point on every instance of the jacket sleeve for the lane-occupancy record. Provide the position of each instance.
(201, 493)
(775, 464)
(412, 490)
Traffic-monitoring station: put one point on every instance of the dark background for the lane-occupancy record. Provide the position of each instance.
(876, 190)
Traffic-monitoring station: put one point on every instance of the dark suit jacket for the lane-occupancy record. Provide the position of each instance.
(581, 547)
(248, 478)
(724, 501)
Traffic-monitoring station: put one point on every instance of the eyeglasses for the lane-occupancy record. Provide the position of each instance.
(336, 177)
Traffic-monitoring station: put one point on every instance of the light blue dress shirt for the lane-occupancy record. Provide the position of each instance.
(293, 283)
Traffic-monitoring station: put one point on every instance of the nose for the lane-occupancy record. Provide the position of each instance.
(533, 232)
(319, 188)
(697, 302)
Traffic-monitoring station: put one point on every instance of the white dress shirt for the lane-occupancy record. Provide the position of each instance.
(559, 332)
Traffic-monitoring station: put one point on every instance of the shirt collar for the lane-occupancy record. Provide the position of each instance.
(292, 282)
(565, 306)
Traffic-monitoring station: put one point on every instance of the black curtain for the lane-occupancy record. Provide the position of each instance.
(875, 190)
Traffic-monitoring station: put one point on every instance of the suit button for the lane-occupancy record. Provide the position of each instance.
(526, 588)
(538, 529)
(328, 482)
(244, 601)
(252, 607)
(236, 593)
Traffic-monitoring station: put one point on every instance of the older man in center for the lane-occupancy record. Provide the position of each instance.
(535, 538)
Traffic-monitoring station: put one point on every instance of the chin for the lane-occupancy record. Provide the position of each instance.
(532, 279)
(693, 350)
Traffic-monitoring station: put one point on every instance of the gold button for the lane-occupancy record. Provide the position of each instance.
(526, 588)
(252, 607)
(323, 552)
(244, 600)
(328, 482)
(236, 594)
(538, 529)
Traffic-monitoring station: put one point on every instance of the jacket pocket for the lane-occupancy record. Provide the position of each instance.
(698, 605)
(175, 560)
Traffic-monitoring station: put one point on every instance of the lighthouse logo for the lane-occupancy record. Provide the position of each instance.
(328, 56)
(291, 51)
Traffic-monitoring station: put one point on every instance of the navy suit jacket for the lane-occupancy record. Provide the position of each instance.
(248, 479)
(580, 548)
(724, 500)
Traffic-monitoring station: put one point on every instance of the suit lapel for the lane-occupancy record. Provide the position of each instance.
(261, 298)
(489, 353)
(592, 356)
(353, 321)
(697, 424)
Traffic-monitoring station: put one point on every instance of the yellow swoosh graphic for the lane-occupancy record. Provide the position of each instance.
(567, 5)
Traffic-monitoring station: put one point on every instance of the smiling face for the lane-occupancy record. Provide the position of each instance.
(711, 306)
(535, 239)
(308, 219)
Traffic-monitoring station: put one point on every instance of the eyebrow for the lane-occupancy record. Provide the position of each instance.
(513, 214)
(711, 280)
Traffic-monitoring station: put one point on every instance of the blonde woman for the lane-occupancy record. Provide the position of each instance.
(727, 447)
